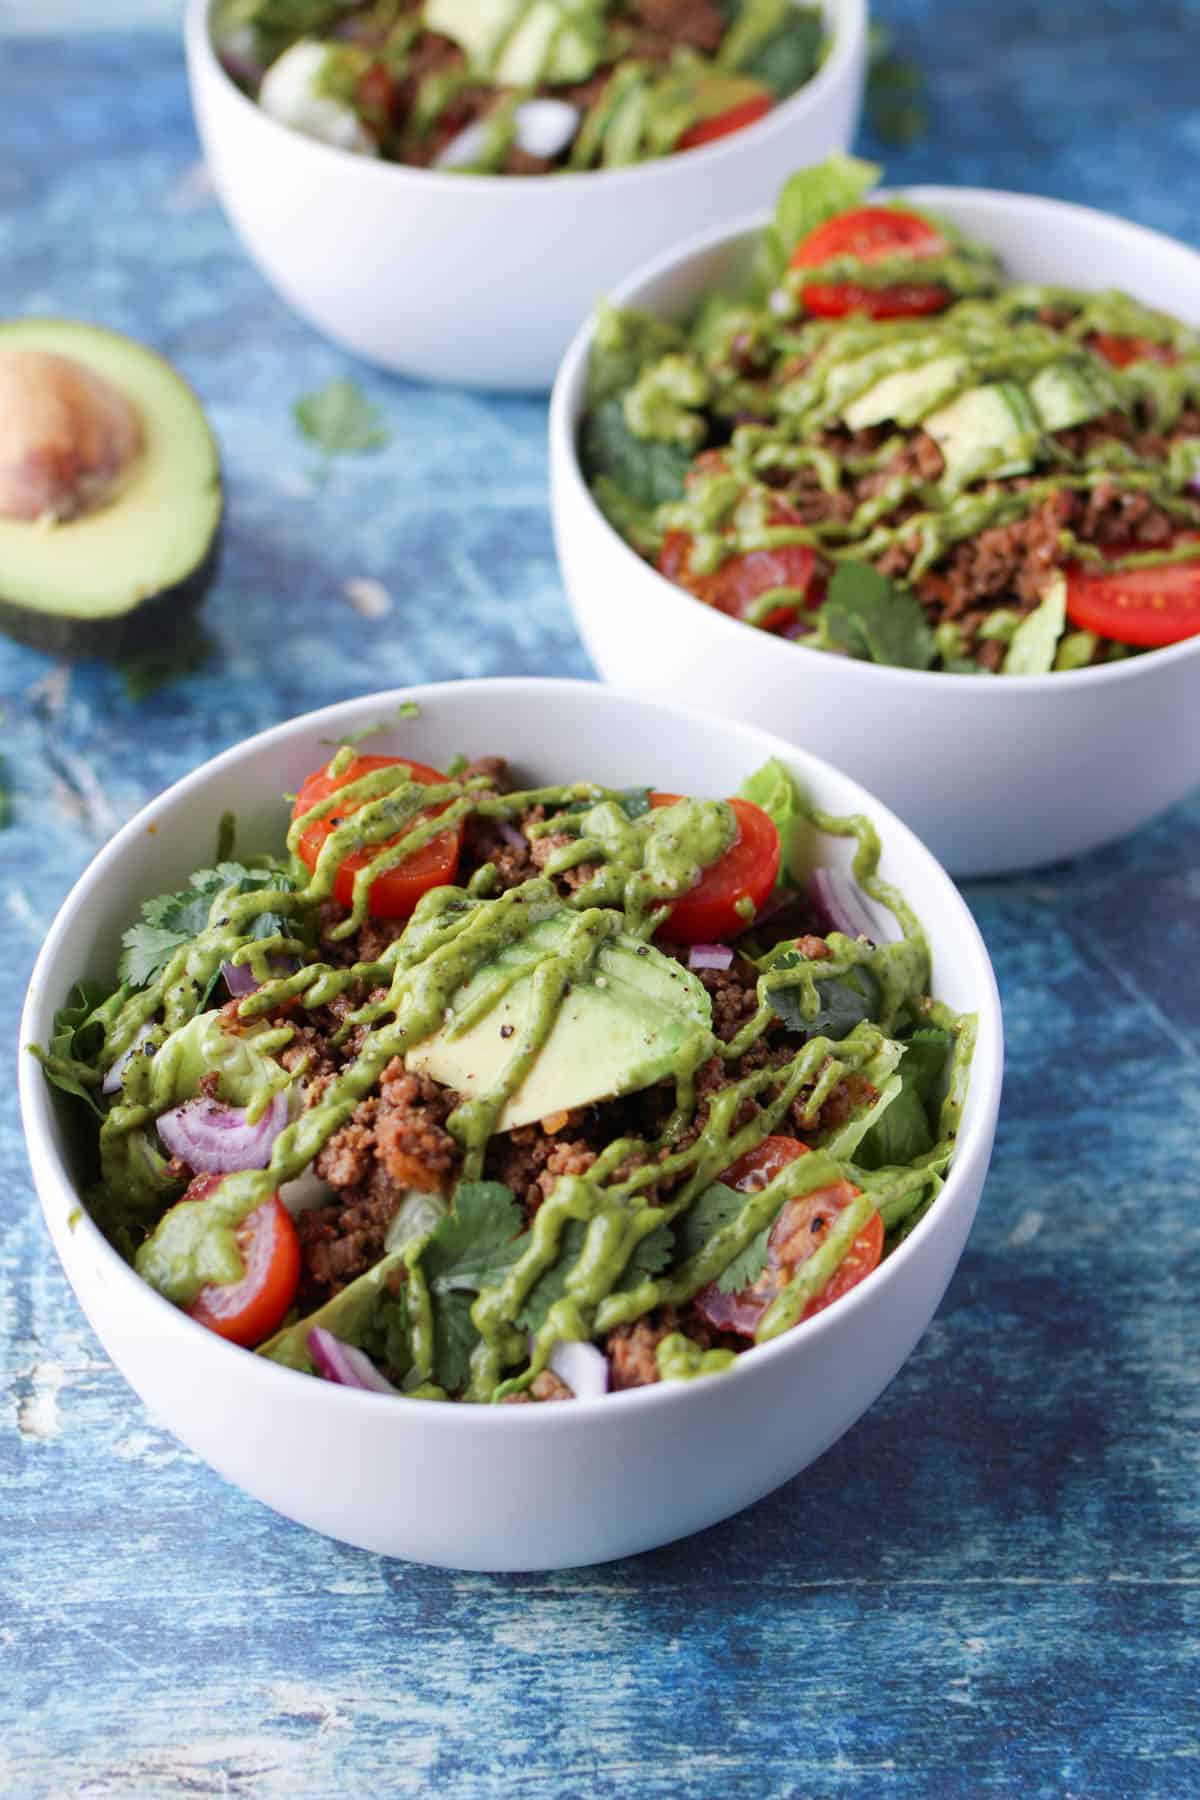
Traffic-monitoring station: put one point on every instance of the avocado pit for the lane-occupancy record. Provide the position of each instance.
(68, 436)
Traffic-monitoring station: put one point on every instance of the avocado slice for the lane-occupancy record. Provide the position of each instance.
(110, 449)
(618, 1030)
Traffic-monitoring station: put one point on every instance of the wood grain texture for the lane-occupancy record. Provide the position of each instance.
(992, 1585)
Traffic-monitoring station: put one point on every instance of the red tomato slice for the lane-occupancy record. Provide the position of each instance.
(743, 578)
(871, 233)
(709, 914)
(734, 118)
(1123, 350)
(827, 300)
(248, 1311)
(1144, 607)
(396, 892)
(802, 1227)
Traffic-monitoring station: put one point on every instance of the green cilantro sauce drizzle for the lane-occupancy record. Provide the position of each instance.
(985, 336)
(639, 863)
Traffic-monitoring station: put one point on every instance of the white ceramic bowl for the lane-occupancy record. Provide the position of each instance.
(995, 775)
(475, 279)
(503, 1487)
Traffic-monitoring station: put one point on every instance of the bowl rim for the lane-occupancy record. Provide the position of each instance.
(56, 1190)
(567, 400)
(849, 32)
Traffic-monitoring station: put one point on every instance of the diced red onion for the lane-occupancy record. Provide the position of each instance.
(512, 837)
(344, 1364)
(112, 1081)
(216, 1139)
(582, 1367)
(710, 956)
(841, 903)
(799, 627)
(239, 978)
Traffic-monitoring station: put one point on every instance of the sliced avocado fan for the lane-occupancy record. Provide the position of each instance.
(110, 491)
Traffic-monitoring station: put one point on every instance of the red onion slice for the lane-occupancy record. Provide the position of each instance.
(710, 956)
(582, 1367)
(240, 980)
(512, 837)
(842, 905)
(216, 1140)
(344, 1364)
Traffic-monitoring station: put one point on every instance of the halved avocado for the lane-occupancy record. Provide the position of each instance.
(109, 448)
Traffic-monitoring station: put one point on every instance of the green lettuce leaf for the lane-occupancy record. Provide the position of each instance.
(1034, 644)
(906, 1130)
(646, 470)
(772, 788)
(805, 201)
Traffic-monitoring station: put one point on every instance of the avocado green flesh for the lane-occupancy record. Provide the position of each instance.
(79, 585)
(620, 1028)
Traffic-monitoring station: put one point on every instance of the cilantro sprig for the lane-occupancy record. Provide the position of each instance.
(475, 1244)
(650, 1255)
(340, 420)
(871, 618)
(169, 921)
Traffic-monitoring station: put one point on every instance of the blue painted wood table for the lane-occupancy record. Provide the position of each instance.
(991, 1585)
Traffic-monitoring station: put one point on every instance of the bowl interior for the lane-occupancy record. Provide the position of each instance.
(551, 728)
(846, 26)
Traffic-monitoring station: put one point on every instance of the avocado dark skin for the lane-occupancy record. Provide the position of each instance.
(110, 493)
(154, 624)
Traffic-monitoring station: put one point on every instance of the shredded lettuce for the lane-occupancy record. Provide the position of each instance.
(1034, 643)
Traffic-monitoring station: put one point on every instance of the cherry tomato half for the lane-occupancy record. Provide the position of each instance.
(1121, 351)
(708, 914)
(734, 118)
(396, 892)
(871, 233)
(1144, 607)
(740, 580)
(801, 1228)
(248, 1311)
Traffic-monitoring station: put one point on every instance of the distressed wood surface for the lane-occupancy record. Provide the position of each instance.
(991, 1585)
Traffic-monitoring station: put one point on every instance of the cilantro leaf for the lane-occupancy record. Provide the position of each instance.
(646, 470)
(649, 1256)
(340, 420)
(709, 1213)
(875, 620)
(844, 1001)
(478, 1241)
(171, 920)
(904, 1130)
